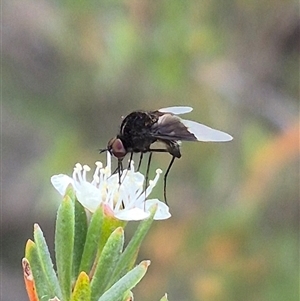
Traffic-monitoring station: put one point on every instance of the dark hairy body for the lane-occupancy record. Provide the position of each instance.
(135, 131)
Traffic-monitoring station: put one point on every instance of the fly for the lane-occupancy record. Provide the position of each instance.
(140, 129)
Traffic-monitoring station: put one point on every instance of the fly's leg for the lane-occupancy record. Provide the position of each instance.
(162, 150)
(129, 162)
(165, 178)
(120, 170)
(140, 161)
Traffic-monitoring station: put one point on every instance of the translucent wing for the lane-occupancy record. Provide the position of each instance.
(176, 110)
(205, 133)
(171, 127)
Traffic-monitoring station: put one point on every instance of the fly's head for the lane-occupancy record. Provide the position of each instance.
(116, 147)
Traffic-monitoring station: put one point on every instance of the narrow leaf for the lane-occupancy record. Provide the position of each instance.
(129, 255)
(110, 223)
(29, 281)
(79, 237)
(46, 262)
(92, 240)
(107, 262)
(64, 243)
(126, 283)
(128, 296)
(70, 192)
(40, 280)
(82, 289)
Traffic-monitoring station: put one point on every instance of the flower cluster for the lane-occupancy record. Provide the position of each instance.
(127, 201)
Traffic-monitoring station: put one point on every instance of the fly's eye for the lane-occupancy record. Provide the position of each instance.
(110, 143)
(116, 147)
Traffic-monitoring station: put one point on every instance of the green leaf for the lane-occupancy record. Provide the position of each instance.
(107, 262)
(126, 283)
(80, 236)
(129, 255)
(82, 289)
(110, 223)
(46, 262)
(92, 240)
(102, 224)
(70, 191)
(40, 279)
(64, 243)
(128, 296)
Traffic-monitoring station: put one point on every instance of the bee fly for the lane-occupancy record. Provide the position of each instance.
(140, 129)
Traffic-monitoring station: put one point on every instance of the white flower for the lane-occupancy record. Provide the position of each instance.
(128, 201)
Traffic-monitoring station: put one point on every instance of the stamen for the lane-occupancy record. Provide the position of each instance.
(159, 171)
(96, 178)
(107, 199)
(106, 173)
(102, 175)
(78, 166)
(99, 164)
(153, 182)
(132, 165)
(119, 202)
(77, 169)
(103, 193)
(85, 169)
(108, 162)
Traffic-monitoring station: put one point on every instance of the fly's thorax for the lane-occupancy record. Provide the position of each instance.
(136, 131)
(138, 121)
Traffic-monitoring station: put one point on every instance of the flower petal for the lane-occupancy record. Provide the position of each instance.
(88, 195)
(130, 177)
(61, 182)
(162, 211)
(134, 214)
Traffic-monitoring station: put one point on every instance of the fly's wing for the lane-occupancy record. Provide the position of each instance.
(176, 110)
(171, 127)
(205, 133)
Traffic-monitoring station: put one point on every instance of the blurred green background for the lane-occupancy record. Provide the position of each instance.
(71, 69)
